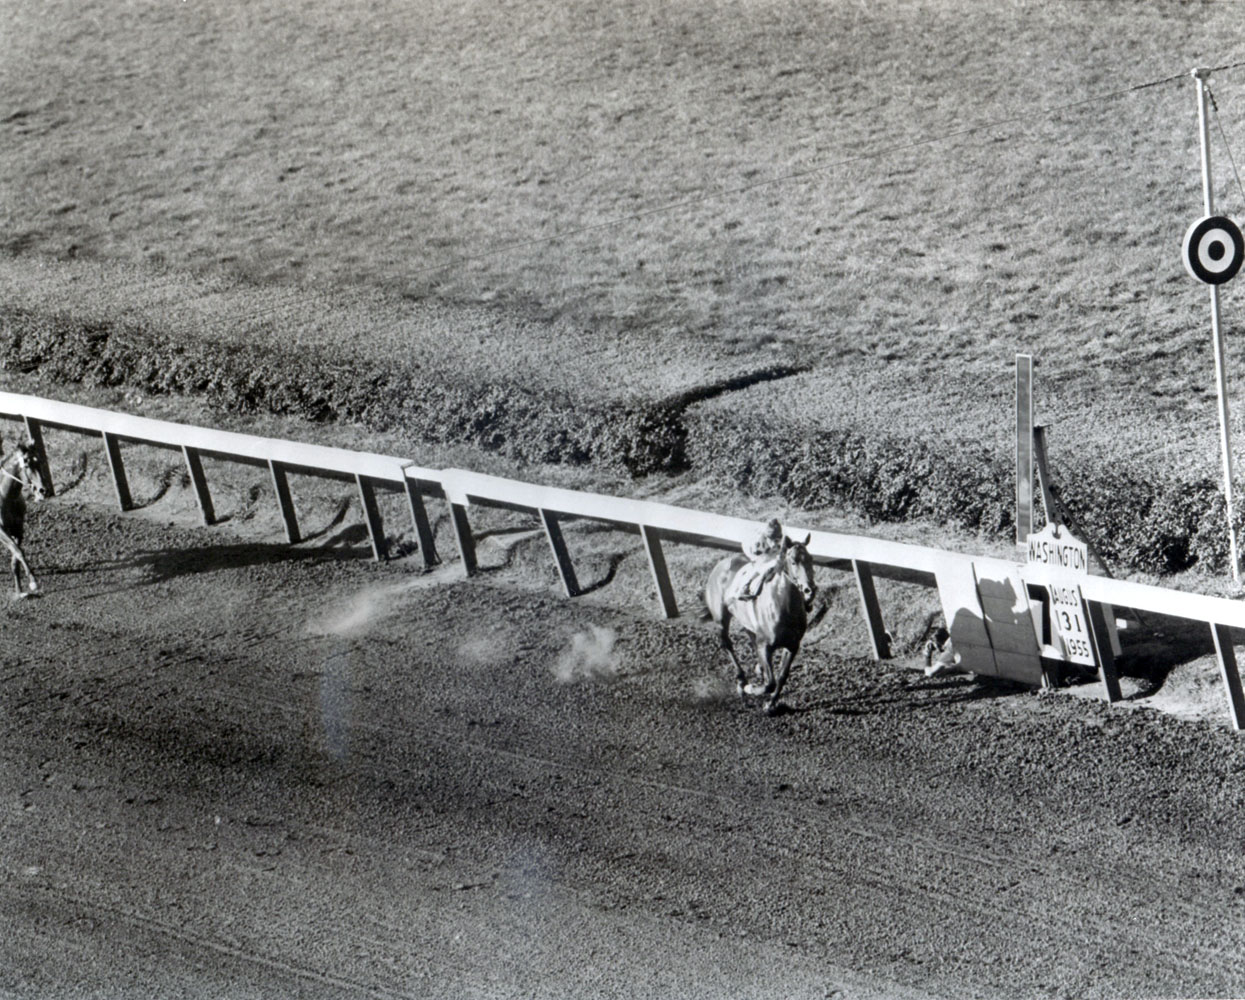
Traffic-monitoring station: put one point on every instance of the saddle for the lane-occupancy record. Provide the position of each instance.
(752, 590)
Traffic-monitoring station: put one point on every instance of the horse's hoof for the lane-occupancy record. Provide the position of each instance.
(754, 688)
(772, 708)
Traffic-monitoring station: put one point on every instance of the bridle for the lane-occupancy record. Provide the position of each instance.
(809, 590)
(24, 481)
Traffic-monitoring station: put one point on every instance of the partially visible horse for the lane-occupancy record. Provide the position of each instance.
(19, 472)
(775, 619)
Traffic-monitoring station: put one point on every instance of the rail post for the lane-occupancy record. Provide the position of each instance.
(112, 449)
(661, 575)
(561, 555)
(463, 536)
(879, 638)
(194, 465)
(281, 484)
(1226, 655)
(371, 515)
(419, 518)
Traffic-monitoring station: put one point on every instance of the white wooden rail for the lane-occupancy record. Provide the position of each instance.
(1011, 646)
(657, 521)
(279, 456)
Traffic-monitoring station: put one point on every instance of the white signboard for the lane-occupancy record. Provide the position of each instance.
(1057, 548)
(1067, 615)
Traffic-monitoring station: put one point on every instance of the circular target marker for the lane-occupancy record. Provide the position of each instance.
(1213, 249)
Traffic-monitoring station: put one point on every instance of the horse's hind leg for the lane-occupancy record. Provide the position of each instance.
(724, 637)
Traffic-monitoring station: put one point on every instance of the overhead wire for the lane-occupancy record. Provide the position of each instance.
(1226, 144)
(1160, 262)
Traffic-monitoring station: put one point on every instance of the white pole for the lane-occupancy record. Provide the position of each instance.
(1024, 453)
(1225, 441)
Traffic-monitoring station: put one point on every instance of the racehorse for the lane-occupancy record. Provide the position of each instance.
(775, 619)
(18, 473)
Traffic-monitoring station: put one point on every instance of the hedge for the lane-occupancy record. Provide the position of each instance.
(1134, 519)
(1160, 524)
(318, 385)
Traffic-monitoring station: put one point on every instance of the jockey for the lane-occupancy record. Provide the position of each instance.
(764, 552)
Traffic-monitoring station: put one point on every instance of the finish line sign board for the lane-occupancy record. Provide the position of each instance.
(1056, 549)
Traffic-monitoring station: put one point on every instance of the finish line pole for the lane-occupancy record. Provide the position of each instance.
(1221, 381)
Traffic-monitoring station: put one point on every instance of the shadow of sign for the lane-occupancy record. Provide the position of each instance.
(991, 622)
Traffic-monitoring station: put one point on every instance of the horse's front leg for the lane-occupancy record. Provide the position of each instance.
(786, 656)
(19, 560)
(765, 669)
(32, 585)
(21, 566)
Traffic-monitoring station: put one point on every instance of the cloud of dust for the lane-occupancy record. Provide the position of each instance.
(355, 614)
(713, 689)
(589, 658)
(485, 647)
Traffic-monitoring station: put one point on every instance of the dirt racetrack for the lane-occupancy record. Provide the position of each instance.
(231, 768)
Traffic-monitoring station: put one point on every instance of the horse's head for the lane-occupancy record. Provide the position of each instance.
(27, 470)
(798, 566)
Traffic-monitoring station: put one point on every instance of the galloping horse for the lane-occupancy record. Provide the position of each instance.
(18, 473)
(775, 619)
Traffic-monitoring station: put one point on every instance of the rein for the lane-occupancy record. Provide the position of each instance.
(792, 575)
(23, 483)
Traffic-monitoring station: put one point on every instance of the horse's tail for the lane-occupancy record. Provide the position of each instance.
(712, 593)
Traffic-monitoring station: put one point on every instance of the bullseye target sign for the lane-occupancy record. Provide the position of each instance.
(1213, 249)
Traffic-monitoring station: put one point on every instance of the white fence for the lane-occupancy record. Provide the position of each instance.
(997, 611)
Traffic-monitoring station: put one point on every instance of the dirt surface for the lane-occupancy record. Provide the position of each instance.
(231, 768)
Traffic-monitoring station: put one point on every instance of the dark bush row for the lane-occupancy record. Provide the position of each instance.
(1132, 516)
(429, 404)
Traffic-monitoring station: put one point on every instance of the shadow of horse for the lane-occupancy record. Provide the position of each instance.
(161, 565)
(916, 696)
